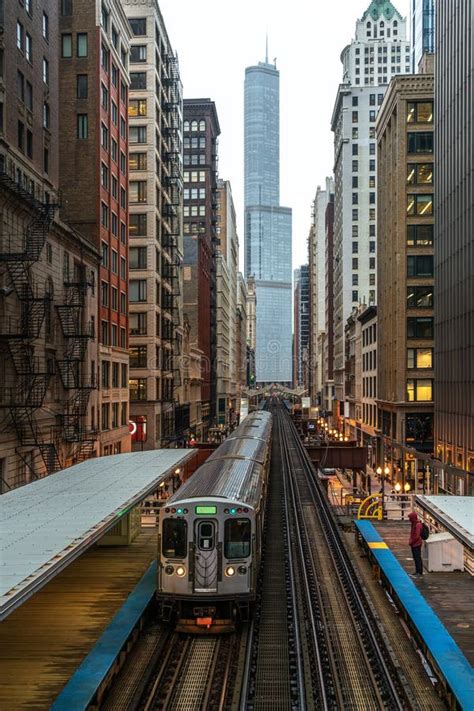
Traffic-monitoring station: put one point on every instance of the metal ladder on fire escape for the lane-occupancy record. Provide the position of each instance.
(76, 381)
(172, 259)
(23, 399)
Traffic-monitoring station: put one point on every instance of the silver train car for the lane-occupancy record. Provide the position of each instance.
(210, 534)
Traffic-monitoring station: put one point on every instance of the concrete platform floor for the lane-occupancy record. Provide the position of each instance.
(451, 595)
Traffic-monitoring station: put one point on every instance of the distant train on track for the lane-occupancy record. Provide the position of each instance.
(210, 534)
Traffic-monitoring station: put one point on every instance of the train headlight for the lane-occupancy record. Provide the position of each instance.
(169, 570)
(230, 571)
(181, 571)
(242, 569)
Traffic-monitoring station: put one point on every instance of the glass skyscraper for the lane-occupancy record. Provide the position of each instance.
(422, 30)
(267, 225)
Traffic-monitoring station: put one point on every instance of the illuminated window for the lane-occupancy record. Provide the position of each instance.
(419, 390)
(420, 112)
(419, 358)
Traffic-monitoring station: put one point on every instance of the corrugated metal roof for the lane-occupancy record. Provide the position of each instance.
(233, 479)
(241, 447)
(240, 478)
(46, 524)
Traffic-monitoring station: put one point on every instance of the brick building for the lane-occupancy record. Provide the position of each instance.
(93, 148)
(405, 308)
(48, 271)
(201, 131)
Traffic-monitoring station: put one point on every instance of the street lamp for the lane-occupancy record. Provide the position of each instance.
(398, 487)
(407, 487)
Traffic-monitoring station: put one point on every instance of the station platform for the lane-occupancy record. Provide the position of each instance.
(44, 641)
(49, 523)
(439, 608)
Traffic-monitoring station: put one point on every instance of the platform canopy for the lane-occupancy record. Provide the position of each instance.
(45, 525)
(456, 513)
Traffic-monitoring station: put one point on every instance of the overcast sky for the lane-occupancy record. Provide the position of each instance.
(217, 39)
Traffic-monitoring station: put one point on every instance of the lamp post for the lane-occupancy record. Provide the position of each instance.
(379, 474)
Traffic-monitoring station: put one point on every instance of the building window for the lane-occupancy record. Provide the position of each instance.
(114, 223)
(137, 387)
(355, 263)
(104, 136)
(115, 413)
(29, 48)
(123, 163)
(137, 107)
(137, 161)
(104, 58)
(421, 142)
(355, 116)
(138, 356)
(82, 44)
(137, 323)
(420, 112)
(138, 257)
(104, 173)
(137, 80)
(372, 247)
(114, 299)
(104, 215)
(114, 113)
(81, 86)
(137, 134)
(45, 70)
(419, 297)
(104, 18)
(420, 174)
(114, 261)
(104, 290)
(420, 235)
(138, 225)
(137, 291)
(104, 92)
(66, 46)
(105, 255)
(105, 415)
(123, 233)
(45, 26)
(29, 143)
(115, 75)
(138, 26)
(420, 265)
(82, 126)
(421, 205)
(420, 328)
(138, 53)
(419, 390)
(66, 8)
(137, 191)
(419, 358)
(355, 296)
(105, 333)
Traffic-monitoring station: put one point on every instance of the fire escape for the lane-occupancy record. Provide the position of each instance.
(31, 378)
(74, 377)
(171, 256)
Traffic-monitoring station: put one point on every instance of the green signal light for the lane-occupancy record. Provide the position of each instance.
(179, 511)
(233, 511)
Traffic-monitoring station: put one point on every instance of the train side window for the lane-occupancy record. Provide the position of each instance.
(237, 538)
(175, 538)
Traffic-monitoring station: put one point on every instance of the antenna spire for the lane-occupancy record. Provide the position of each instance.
(266, 48)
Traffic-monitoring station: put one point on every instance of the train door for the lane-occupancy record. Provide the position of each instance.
(205, 557)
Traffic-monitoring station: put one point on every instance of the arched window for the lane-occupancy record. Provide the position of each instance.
(186, 126)
(194, 125)
(395, 23)
(202, 125)
(369, 25)
(382, 23)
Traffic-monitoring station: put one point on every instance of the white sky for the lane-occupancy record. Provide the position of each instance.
(217, 39)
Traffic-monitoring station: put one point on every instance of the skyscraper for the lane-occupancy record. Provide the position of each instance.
(379, 51)
(267, 225)
(422, 30)
(454, 242)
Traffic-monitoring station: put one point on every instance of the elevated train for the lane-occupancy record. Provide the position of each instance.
(210, 534)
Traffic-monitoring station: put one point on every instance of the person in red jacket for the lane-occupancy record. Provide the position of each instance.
(416, 542)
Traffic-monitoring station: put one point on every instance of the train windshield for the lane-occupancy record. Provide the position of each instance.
(237, 538)
(175, 537)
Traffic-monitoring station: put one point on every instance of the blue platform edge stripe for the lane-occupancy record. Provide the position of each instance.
(448, 656)
(81, 687)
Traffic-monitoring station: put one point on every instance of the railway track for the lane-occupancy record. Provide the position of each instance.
(337, 656)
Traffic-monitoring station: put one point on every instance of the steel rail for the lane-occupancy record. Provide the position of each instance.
(348, 577)
(290, 485)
